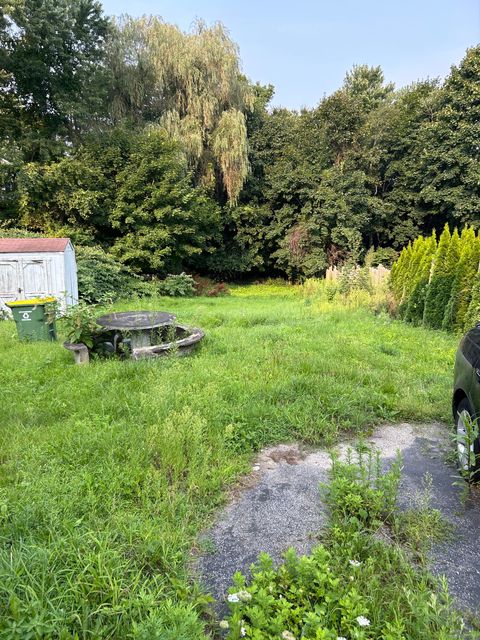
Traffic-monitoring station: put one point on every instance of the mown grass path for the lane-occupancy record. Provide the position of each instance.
(108, 473)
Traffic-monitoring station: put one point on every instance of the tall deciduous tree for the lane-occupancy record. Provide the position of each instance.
(51, 77)
(163, 222)
(191, 84)
(451, 147)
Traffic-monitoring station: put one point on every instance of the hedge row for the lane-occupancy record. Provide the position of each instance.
(437, 284)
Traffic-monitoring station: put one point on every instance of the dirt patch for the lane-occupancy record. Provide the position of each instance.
(270, 457)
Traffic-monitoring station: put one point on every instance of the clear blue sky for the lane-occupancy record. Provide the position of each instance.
(304, 48)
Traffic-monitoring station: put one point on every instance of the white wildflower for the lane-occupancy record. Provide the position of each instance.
(243, 632)
(244, 596)
(286, 635)
(233, 597)
(363, 622)
(341, 638)
(224, 624)
(351, 578)
(355, 563)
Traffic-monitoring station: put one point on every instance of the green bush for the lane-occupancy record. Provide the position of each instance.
(80, 324)
(101, 278)
(360, 495)
(15, 232)
(180, 285)
(383, 255)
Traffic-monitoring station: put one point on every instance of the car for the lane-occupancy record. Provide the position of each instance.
(466, 402)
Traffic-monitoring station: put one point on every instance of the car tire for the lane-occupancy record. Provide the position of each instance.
(470, 472)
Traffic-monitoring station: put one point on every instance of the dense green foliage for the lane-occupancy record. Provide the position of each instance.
(151, 143)
(180, 284)
(355, 584)
(100, 277)
(109, 472)
(164, 221)
(437, 285)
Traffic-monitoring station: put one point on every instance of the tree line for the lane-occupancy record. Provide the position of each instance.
(150, 143)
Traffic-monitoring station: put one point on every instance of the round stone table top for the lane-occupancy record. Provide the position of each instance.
(135, 320)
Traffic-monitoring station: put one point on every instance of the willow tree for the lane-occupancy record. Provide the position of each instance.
(189, 84)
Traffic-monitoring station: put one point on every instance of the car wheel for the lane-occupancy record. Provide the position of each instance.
(464, 457)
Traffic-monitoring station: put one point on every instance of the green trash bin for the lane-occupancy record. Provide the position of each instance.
(35, 319)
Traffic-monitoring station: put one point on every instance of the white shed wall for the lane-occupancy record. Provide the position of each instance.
(71, 281)
(32, 275)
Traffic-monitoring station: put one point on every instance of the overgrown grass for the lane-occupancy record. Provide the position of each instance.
(107, 473)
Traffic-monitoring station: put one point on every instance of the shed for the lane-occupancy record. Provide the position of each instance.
(36, 268)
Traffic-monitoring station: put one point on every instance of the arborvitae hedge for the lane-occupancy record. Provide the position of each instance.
(438, 292)
(473, 312)
(400, 271)
(416, 303)
(439, 285)
(464, 269)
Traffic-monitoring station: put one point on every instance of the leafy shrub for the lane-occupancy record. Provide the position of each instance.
(438, 292)
(100, 277)
(383, 255)
(360, 494)
(462, 276)
(473, 313)
(80, 324)
(179, 285)
(172, 622)
(16, 232)
(313, 287)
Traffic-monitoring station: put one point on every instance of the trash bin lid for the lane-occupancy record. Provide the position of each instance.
(31, 302)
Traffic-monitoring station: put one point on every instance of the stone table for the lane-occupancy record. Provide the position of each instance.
(139, 324)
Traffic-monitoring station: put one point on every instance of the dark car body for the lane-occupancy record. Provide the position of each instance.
(467, 373)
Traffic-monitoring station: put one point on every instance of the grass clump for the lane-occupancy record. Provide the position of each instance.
(355, 585)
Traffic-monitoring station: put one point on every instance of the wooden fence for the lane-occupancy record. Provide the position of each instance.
(378, 275)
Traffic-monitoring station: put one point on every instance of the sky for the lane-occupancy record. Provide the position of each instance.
(305, 48)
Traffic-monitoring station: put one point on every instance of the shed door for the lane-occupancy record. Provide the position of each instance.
(36, 281)
(10, 286)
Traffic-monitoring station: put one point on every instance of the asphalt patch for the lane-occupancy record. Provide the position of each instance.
(279, 506)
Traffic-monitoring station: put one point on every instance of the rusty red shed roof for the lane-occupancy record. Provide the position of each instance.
(32, 245)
